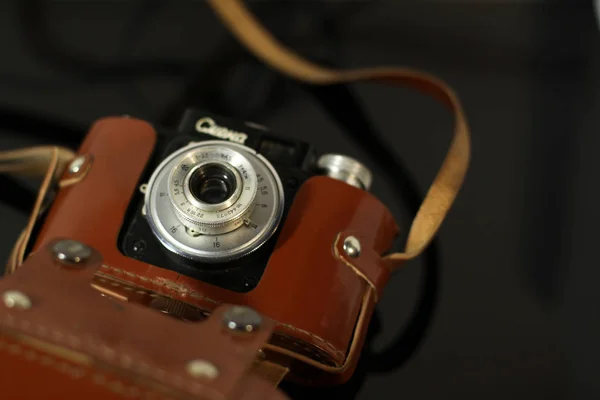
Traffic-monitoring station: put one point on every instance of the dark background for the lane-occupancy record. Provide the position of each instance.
(515, 305)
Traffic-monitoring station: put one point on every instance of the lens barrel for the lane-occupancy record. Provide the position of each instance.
(214, 201)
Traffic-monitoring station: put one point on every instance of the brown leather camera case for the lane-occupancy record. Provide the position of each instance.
(320, 299)
(118, 350)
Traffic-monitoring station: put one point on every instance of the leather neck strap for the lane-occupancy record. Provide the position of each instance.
(34, 161)
(442, 193)
(47, 162)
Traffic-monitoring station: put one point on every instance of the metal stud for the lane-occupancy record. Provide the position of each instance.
(202, 369)
(352, 247)
(76, 164)
(71, 251)
(242, 319)
(16, 299)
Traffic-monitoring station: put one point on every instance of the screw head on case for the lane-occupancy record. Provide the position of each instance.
(71, 251)
(202, 369)
(16, 299)
(242, 319)
(352, 247)
(76, 164)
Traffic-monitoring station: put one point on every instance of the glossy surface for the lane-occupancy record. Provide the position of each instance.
(312, 295)
(120, 347)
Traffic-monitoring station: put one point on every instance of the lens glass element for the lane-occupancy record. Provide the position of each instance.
(212, 184)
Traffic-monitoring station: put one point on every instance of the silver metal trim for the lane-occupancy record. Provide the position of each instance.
(235, 244)
(346, 169)
(213, 207)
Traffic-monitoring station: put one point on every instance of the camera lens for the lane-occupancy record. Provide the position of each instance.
(212, 184)
(214, 201)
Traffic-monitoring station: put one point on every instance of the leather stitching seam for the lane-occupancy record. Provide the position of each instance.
(75, 373)
(101, 350)
(185, 290)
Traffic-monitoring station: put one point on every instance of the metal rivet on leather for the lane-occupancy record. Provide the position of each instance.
(76, 164)
(16, 299)
(352, 247)
(242, 319)
(71, 251)
(202, 369)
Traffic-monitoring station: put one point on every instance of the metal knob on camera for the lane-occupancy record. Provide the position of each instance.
(346, 169)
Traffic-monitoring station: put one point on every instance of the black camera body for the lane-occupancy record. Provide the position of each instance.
(294, 162)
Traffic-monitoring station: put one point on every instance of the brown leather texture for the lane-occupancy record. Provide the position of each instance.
(74, 343)
(314, 296)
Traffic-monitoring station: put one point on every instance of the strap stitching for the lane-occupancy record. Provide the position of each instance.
(102, 350)
(186, 290)
(115, 385)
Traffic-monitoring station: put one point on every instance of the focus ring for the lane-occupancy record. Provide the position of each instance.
(206, 218)
(215, 228)
(181, 236)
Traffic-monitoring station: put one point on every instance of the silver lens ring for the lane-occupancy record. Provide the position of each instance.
(224, 216)
(193, 240)
(197, 202)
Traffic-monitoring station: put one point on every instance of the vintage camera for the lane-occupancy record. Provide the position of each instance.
(227, 212)
(215, 195)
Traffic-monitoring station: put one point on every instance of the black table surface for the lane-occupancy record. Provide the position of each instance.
(516, 314)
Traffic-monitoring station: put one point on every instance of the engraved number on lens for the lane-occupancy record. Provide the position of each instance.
(226, 198)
